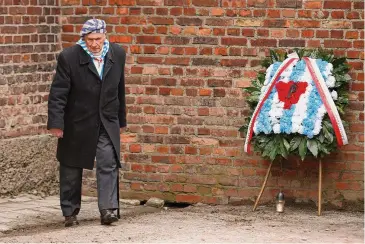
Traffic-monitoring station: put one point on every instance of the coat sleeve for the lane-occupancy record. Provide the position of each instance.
(121, 95)
(58, 95)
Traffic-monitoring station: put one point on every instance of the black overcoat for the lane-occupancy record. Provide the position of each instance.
(79, 101)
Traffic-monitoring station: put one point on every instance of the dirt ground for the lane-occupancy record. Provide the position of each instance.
(207, 224)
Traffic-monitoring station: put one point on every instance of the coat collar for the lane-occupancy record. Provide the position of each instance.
(86, 59)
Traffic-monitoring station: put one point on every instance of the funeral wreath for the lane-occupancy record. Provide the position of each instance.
(297, 105)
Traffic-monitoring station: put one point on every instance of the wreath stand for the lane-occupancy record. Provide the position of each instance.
(319, 187)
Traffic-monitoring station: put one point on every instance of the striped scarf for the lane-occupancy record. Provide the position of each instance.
(99, 58)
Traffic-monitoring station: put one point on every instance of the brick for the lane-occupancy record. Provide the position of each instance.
(305, 14)
(337, 34)
(150, 2)
(234, 3)
(234, 62)
(306, 24)
(163, 81)
(204, 61)
(312, 4)
(149, 60)
(248, 32)
(160, 21)
(352, 35)
(263, 33)
(233, 32)
(177, 61)
(162, 11)
(189, 30)
(264, 43)
(188, 198)
(337, 4)
(358, 44)
(337, 14)
(190, 11)
(291, 43)
(322, 33)
(337, 44)
(358, 25)
(260, 3)
(218, 21)
(120, 39)
(177, 50)
(170, 40)
(259, 13)
(337, 25)
(217, 12)
(176, 11)
(248, 22)
(273, 13)
(288, 13)
(149, 39)
(359, 5)
(176, 2)
(288, 4)
(219, 83)
(133, 20)
(206, 3)
(314, 43)
(353, 15)
(230, 41)
(184, 21)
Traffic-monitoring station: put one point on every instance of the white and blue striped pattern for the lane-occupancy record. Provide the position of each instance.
(105, 50)
(93, 26)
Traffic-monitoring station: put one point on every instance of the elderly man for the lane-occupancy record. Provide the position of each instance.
(87, 113)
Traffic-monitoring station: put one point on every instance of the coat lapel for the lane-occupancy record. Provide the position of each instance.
(108, 61)
(86, 59)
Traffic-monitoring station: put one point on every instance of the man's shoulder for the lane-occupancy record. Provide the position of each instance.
(70, 52)
(117, 49)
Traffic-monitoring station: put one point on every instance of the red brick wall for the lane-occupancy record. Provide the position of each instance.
(29, 42)
(188, 61)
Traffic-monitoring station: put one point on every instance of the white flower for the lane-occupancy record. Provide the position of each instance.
(329, 68)
(276, 128)
(297, 120)
(274, 120)
(334, 95)
(330, 82)
(275, 99)
(286, 73)
(263, 88)
(276, 113)
(322, 110)
(267, 78)
(317, 126)
(295, 128)
(268, 71)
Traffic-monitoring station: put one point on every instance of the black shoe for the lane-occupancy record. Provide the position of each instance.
(107, 217)
(71, 220)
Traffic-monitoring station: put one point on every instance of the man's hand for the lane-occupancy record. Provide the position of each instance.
(122, 130)
(57, 133)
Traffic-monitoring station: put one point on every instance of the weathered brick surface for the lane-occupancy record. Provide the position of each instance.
(29, 43)
(188, 61)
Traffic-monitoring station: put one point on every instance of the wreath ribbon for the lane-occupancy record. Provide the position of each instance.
(327, 101)
(276, 77)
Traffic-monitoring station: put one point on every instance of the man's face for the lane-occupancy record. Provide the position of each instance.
(94, 42)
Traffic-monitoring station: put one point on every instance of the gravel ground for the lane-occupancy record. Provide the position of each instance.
(207, 224)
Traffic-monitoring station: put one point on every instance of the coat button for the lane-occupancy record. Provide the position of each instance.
(97, 124)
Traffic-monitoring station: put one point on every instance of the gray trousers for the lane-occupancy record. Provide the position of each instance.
(106, 176)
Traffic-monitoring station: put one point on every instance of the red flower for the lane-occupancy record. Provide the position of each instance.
(290, 92)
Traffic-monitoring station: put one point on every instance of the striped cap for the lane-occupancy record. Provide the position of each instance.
(93, 26)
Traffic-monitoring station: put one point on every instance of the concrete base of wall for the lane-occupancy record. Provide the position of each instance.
(28, 165)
